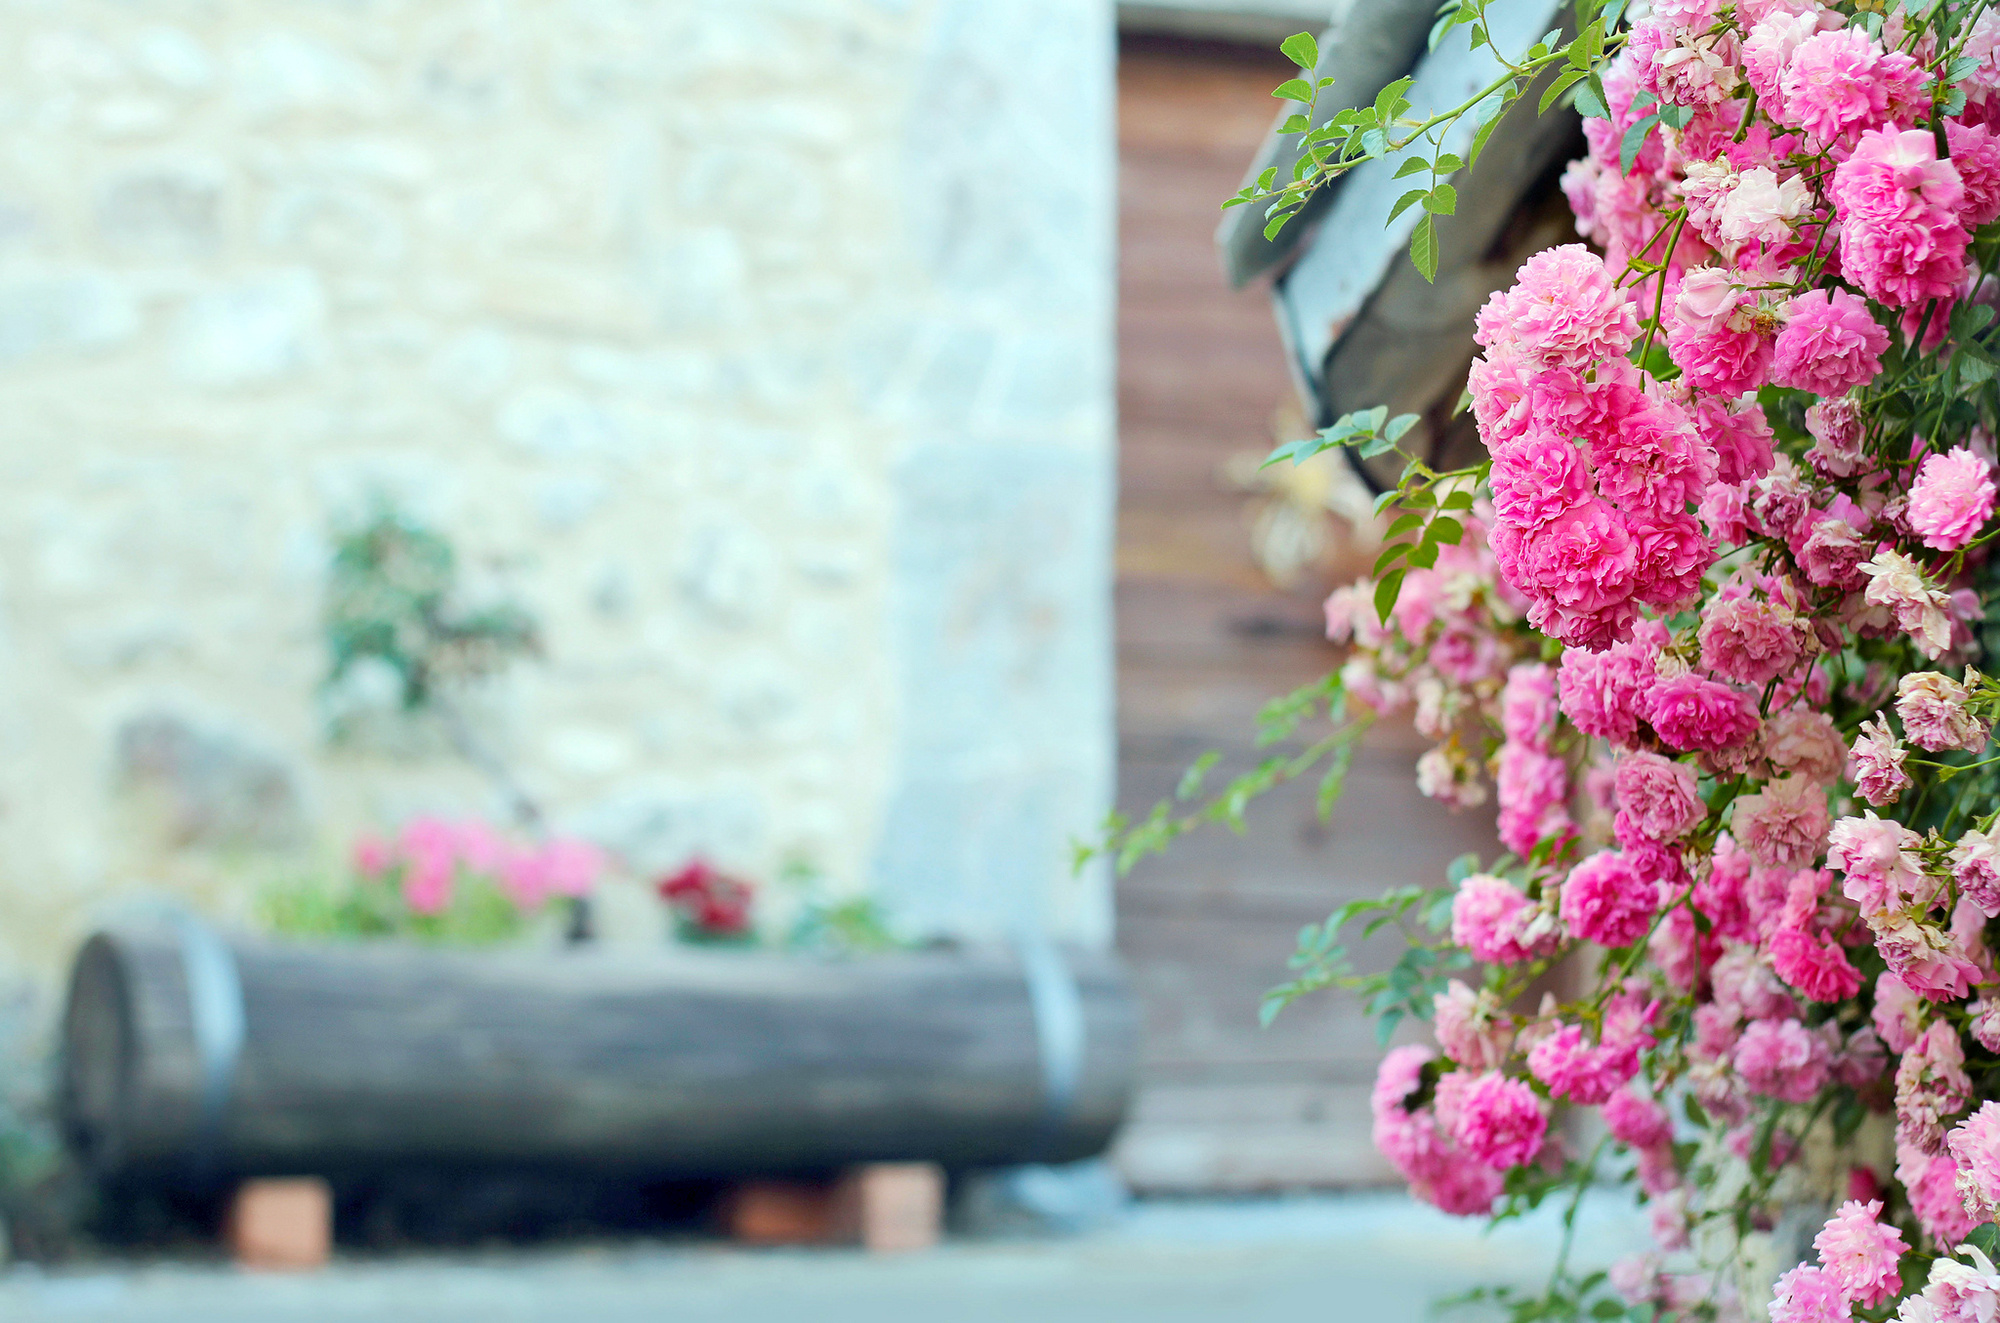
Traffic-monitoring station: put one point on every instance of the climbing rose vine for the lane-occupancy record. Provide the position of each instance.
(1705, 628)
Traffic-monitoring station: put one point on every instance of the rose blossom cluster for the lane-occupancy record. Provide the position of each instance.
(1442, 655)
(1594, 478)
(1729, 703)
(429, 857)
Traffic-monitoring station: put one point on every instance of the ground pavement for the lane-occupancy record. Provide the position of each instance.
(1372, 1258)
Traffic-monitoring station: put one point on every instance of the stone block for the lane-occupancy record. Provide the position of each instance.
(891, 1207)
(885, 1207)
(281, 1225)
(780, 1213)
(254, 332)
(209, 787)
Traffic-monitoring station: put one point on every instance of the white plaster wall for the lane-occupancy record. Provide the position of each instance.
(761, 348)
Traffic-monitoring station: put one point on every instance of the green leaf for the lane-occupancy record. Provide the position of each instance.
(1985, 1238)
(1461, 868)
(1485, 132)
(1424, 248)
(1447, 164)
(1441, 201)
(1589, 100)
(1374, 445)
(1392, 553)
(1415, 165)
(1635, 138)
(1425, 556)
(1268, 178)
(1677, 116)
(1969, 319)
(1296, 124)
(1409, 199)
(1389, 101)
(1569, 79)
(1294, 89)
(1408, 523)
(1301, 49)
(1275, 224)
(1445, 529)
(1197, 772)
(1399, 425)
(1386, 593)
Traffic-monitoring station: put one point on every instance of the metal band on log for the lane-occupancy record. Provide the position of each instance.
(191, 1057)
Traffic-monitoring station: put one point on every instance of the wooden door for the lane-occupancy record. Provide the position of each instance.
(1203, 641)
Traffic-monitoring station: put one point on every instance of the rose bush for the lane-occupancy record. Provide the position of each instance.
(1704, 626)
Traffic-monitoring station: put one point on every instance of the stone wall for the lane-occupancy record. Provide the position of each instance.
(761, 349)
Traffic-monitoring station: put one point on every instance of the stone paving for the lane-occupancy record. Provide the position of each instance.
(1377, 1258)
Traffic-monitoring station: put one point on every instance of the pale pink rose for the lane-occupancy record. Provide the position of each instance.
(1975, 1146)
(1936, 713)
(1860, 1253)
(1711, 301)
(1471, 1028)
(1528, 711)
(1835, 426)
(1931, 1084)
(1766, 51)
(1495, 921)
(1803, 741)
(1785, 824)
(1350, 614)
(1448, 774)
(1899, 1015)
(1831, 550)
(1951, 500)
(1975, 863)
(1876, 763)
(1752, 642)
(1782, 1059)
(1880, 861)
(1761, 208)
(1918, 608)
(1954, 1293)
(1932, 1183)
(1697, 70)
(1657, 798)
(1975, 154)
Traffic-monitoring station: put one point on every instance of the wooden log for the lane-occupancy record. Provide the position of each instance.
(197, 1059)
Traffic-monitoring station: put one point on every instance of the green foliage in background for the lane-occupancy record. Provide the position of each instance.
(357, 908)
(392, 597)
